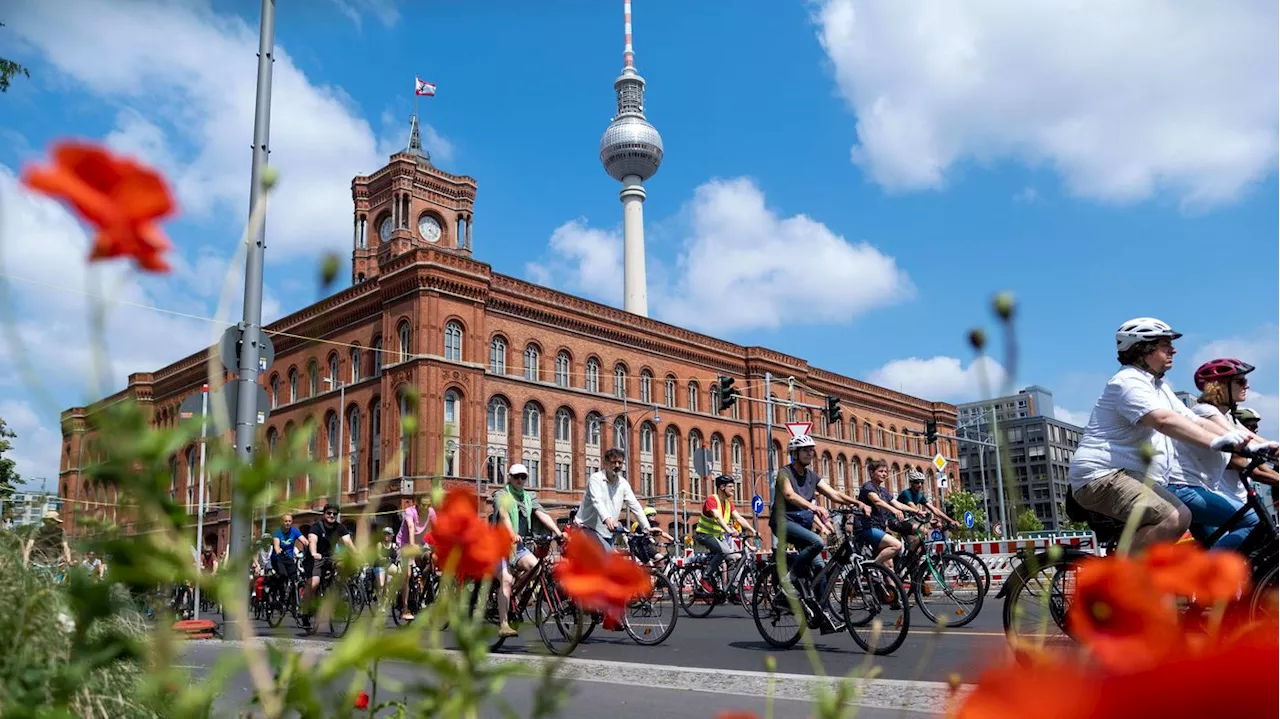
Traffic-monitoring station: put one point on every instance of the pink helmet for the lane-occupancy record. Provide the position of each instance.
(1221, 370)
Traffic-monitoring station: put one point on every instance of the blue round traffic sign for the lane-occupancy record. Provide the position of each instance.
(757, 504)
(935, 536)
(968, 519)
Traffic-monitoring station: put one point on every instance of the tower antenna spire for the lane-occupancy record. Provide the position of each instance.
(631, 152)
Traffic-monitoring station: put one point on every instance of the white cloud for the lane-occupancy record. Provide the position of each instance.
(36, 449)
(1079, 419)
(942, 378)
(183, 81)
(385, 10)
(743, 267)
(1123, 99)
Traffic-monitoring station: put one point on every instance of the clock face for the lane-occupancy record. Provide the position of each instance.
(429, 228)
(385, 230)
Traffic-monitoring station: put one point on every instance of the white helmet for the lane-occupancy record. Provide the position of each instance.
(803, 440)
(1142, 329)
(518, 468)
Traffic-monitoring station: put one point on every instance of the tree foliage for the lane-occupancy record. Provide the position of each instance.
(961, 502)
(1027, 521)
(8, 69)
(9, 478)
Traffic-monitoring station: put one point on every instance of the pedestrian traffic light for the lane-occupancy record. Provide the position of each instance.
(930, 431)
(834, 413)
(728, 395)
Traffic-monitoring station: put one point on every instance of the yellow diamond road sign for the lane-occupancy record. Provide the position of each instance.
(939, 462)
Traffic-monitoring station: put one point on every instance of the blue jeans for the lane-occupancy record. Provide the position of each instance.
(809, 545)
(1209, 511)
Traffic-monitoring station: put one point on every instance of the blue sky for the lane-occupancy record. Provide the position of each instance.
(844, 180)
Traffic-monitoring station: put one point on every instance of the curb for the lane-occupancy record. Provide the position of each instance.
(908, 695)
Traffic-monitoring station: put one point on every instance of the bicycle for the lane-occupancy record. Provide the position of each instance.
(697, 602)
(868, 592)
(344, 606)
(934, 574)
(550, 604)
(1059, 563)
(424, 585)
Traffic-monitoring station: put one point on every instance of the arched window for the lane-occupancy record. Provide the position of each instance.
(273, 439)
(333, 370)
(275, 391)
(497, 415)
(453, 342)
(564, 426)
(353, 449)
(593, 375)
(331, 444)
(646, 386)
(355, 364)
(620, 433)
(375, 439)
(450, 407)
(293, 384)
(646, 437)
(532, 421)
(736, 459)
(693, 396)
(593, 429)
(670, 392)
(193, 478)
(866, 433)
(713, 397)
(406, 344)
(377, 357)
(619, 381)
(717, 451)
(562, 369)
(531, 357)
(826, 467)
(498, 355)
(405, 444)
(672, 448)
(880, 435)
(173, 476)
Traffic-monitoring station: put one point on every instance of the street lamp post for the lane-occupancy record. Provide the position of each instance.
(335, 497)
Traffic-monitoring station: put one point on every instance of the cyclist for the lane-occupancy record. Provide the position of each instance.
(644, 547)
(48, 546)
(796, 489)
(1249, 418)
(915, 498)
(1138, 409)
(515, 508)
(387, 559)
(419, 516)
(1201, 484)
(873, 529)
(713, 527)
(324, 535)
(607, 492)
(284, 543)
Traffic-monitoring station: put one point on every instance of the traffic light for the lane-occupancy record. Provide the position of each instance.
(834, 413)
(930, 431)
(728, 395)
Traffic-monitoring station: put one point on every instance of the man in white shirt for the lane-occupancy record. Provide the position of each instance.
(1110, 473)
(607, 492)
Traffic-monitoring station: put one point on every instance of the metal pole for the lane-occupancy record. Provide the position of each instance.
(768, 429)
(250, 326)
(342, 447)
(204, 423)
(1004, 516)
(986, 499)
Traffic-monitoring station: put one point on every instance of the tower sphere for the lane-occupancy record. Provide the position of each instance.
(631, 146)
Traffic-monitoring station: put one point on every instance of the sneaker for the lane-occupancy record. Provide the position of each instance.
(705, 586)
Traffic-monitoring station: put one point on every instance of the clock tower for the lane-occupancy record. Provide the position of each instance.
(408, 203)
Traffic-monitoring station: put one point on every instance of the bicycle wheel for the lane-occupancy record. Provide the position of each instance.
(747, 584)
(343, 608)
(771, 609)
(873, 608)
(1036, 600)
(1264, 601)
(651, 619)
(983, 569)
(694, 600)
(951, 582)
(275, 601)
(561, 624)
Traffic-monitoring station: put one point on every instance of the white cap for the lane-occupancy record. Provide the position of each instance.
(518, 468)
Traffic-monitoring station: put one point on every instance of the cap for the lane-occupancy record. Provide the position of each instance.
(518, 468)
(53, 514)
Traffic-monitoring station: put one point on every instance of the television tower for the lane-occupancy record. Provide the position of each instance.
(631, 152)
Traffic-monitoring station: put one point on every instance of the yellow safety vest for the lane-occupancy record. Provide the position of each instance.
(708, 525)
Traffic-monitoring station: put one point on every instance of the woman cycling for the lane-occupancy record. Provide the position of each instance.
(1204, 472)
(1126, 457)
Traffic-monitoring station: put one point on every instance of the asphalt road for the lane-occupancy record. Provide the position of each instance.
(728, 640)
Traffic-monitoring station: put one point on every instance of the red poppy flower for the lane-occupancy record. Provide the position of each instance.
(1187, 570)
(598, 581)
(362, 700)
(466, 544)
(1119, 615)
(120, 198)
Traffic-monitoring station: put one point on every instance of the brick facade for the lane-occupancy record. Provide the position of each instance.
(470, 335)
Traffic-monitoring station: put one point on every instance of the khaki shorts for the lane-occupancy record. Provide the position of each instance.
(1120, 493)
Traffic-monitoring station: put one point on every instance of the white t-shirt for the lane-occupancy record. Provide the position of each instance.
(604, 499)
(1202, 467)
(1113, 438)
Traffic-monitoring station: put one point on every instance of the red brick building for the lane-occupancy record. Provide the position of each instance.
(509, 371)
